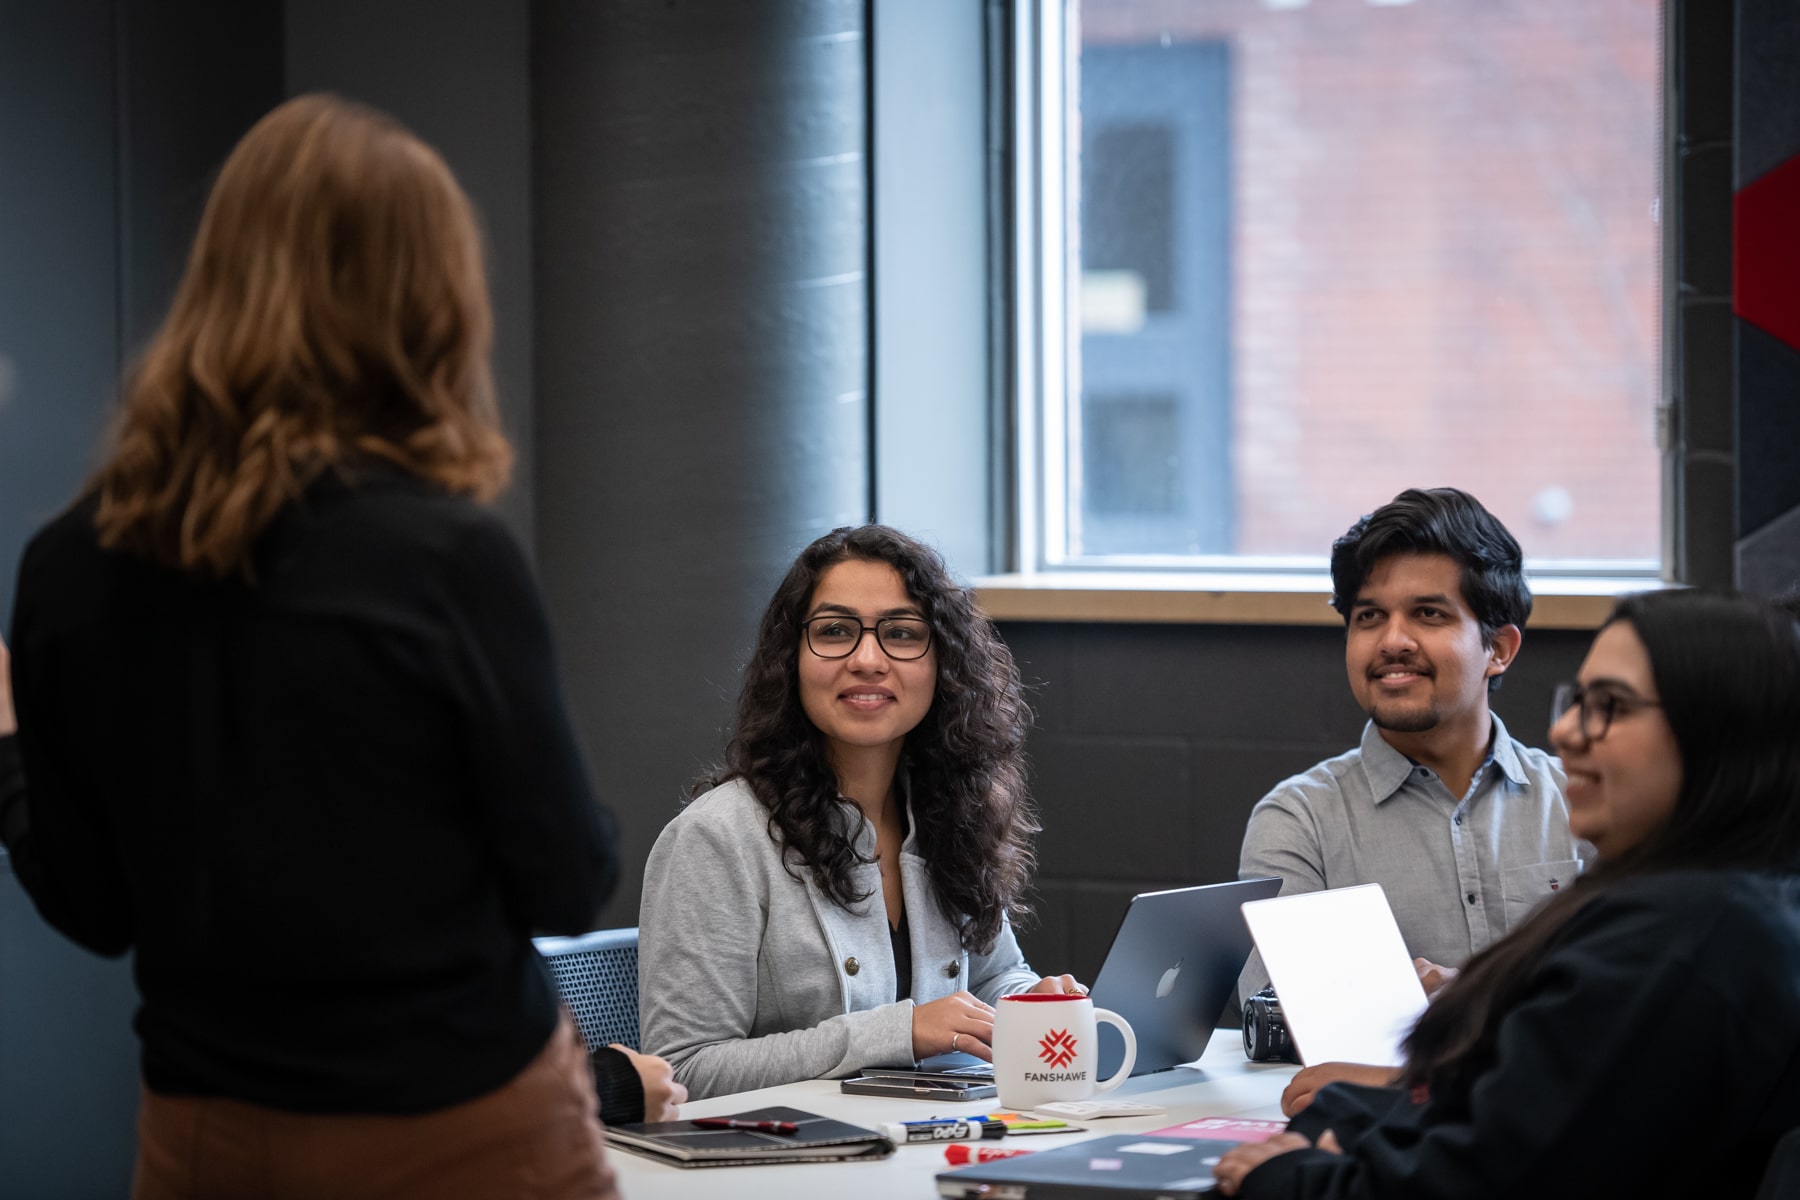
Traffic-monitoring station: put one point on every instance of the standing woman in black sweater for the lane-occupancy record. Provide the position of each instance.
(288, 712)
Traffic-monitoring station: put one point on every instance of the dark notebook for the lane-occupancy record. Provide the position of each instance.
(818, 1139)
(1124, 1165)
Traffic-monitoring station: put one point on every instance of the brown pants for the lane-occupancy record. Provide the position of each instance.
(536, 1137)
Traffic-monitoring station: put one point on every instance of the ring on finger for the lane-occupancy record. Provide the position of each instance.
(953, 1040)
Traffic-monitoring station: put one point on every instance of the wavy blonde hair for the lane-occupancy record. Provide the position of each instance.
(334, 310)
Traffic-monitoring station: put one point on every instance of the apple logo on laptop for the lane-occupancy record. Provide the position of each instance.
(1166, 984)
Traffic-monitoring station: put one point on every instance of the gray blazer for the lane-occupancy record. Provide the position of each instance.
(750, 978)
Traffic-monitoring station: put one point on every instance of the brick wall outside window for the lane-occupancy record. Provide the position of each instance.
(1444, 259)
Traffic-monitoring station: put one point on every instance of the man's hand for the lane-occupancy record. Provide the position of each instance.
(9, 722)
(1301, 1088)
(955, 1022)
(1432, 975)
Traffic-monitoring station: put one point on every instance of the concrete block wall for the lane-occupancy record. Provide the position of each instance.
(1701, 468)
(1766, 296)
(1153, 742)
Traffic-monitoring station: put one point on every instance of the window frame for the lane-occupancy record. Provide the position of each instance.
(1034, 116)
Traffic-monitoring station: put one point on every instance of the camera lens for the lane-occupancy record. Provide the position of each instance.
(1265, 1032)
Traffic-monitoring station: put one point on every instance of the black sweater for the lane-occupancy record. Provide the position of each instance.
(327, 810)
(1654, 1051)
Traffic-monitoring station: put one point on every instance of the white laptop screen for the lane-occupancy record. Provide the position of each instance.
(1348, 989)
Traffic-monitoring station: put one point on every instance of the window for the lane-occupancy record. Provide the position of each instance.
(1284, 258)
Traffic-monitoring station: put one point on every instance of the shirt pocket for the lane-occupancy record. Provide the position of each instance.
(1524, 889)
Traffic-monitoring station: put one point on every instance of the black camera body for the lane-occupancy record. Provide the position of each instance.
(1265, 1031)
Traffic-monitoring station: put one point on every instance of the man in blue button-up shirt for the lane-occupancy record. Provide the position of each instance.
(1464, 827)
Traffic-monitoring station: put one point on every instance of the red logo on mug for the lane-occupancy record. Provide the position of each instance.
(1058, 1049)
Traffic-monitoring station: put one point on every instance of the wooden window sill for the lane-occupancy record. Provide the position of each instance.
(1216, 599)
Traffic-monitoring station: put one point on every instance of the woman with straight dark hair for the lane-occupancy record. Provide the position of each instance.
(1639, 1036)
(837, 896)
(289, 716)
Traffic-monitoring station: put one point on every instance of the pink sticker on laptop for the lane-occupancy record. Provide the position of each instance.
(1223, 1129)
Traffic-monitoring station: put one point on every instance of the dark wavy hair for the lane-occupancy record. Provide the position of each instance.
(1439, 521)
(1727, 672)
(966, 759)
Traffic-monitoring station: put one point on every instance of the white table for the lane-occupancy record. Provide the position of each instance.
(1221, 1083)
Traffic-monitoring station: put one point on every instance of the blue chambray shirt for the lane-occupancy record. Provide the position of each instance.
(1459, 872)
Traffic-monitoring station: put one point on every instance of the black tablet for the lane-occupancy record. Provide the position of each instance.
(920, 1085)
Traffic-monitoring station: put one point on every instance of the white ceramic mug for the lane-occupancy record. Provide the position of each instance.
(1046, 1048)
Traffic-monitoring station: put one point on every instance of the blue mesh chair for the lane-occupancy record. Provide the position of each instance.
(597, 975)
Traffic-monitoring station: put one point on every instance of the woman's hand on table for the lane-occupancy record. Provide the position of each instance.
(1245, 1157)
(956, 1022)
(663, 1096)
(1306, 1082)
(1060, 985)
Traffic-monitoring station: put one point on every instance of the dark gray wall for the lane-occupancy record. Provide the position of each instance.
(1734, 434)
(457, 72)
(59, 263)
(1701, 461)
(173, 135)
(701, 236)
(67, 1058)
(1154, 741)
(1766, 139)
(112, 115)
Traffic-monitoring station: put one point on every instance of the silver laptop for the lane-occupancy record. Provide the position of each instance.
(1173, 964)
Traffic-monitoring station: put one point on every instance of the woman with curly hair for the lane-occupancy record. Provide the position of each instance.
(837, 896)
(1640, 1035)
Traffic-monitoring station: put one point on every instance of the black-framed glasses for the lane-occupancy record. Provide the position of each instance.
(1599, 705)
(900, 638)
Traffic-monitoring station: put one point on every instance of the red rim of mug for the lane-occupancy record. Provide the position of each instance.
(1044, 997)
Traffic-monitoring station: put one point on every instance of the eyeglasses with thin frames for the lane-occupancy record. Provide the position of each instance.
(1599, 705)
(900, 638)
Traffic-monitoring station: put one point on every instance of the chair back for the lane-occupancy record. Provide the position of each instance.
(1781, 1178)
(597, 976)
